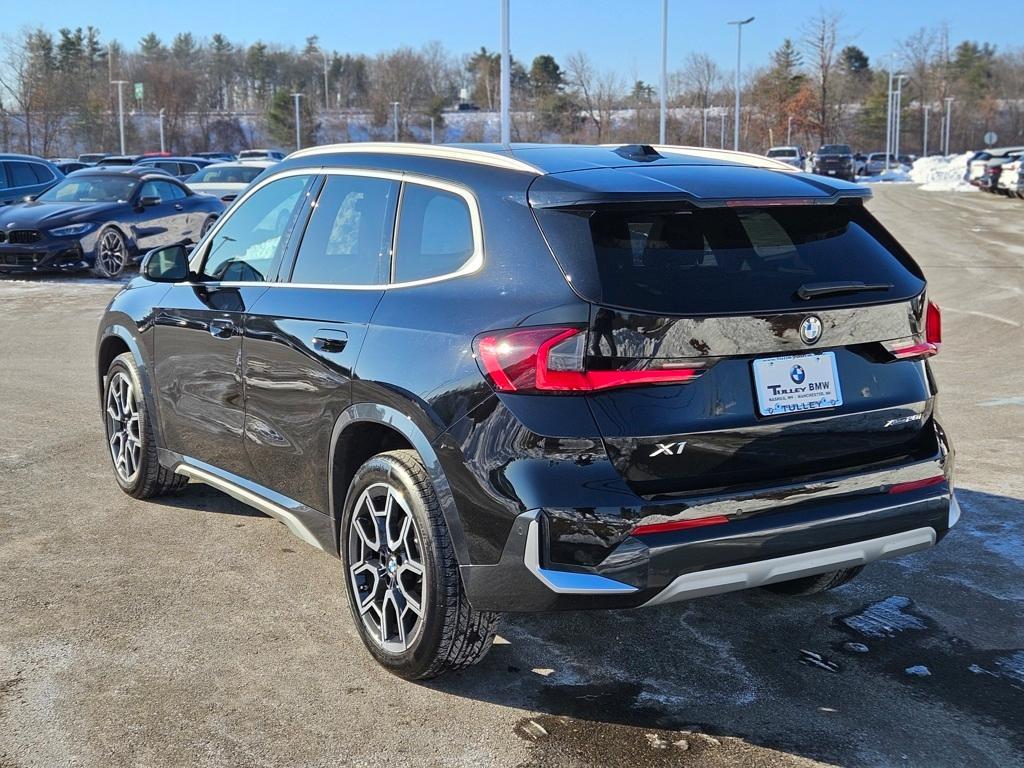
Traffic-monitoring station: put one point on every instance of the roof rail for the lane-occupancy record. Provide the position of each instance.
(746, 158)
(441, 151)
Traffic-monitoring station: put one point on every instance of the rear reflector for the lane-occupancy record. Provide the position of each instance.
(679, 525)
(914, 485)
(551, 359)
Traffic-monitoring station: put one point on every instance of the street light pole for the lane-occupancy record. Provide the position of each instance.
(506, 76)
(924, 140)
(431, 130)
(739, 47)
(789, 131)
(704, 128)
(721, 140)
(298, 129)
(162, 149)
(949, 120)
(394, 113)
(664, 71)
(898, 119)
(120, 107)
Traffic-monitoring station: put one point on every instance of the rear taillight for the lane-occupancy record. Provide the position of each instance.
(932, 338)
(915, 485)
(552, 359)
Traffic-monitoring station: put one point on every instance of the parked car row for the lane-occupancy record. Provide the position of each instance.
(997, 170)
(839, 161)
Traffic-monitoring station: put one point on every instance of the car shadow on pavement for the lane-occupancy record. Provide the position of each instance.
(864, 674)
(202, 497)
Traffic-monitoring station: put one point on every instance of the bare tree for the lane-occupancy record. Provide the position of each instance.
(701, 77)
(821, 41)
(598, 92)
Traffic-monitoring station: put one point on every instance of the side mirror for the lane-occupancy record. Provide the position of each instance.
(149, 201)
(28, 198)
(166, 265)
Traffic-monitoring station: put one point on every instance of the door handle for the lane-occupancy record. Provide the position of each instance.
(179, 207)
(222, 329)
(330, 341)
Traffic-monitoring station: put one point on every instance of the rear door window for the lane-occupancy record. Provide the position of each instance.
(21, 175)
(435, 234)
(728, 260)
(41, 172)
(348, 238)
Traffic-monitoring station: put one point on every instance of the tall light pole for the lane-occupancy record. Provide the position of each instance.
(664, 72)
(120, 107)
(789, 131)
(721, 140)
(431, 129)
(298, 127)
(924, 139)
(704, 128)
(327, 90)
(898, 99)
(888, 121)
(394, 116)
(506, 76)
(739, 48)
(949, 120)
(162, 149)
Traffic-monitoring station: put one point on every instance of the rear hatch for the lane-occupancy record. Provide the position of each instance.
(796, 323)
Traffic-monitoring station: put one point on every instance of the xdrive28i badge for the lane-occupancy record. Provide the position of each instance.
(810, 329)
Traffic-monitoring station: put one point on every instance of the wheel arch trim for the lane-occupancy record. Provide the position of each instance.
(123, 333)
(404, 425)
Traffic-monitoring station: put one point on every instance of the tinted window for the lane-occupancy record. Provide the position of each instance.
(348, 237)
(226, 174)
(835, 149)
(185, 169)
(91, 189)
(729, 260)
(435, 233)
(3, 176)
(252, 238)
(781, 153)
(42, 173)
(21, 175)
(162, 189)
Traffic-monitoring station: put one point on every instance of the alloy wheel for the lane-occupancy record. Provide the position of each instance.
(123, 426)
(387, 572)
(111, 254)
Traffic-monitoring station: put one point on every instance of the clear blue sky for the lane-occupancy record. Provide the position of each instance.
(618, 34)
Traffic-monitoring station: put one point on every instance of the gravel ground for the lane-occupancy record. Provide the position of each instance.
(197, 632)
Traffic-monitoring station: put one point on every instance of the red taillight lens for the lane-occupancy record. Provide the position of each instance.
(914, 485)
(932, 337)
(551, 359)
(679, 525)
(933, 325)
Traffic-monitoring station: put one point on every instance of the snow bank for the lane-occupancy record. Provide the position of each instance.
(942, 174)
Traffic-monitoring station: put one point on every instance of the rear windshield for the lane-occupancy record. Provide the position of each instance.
(781, 153)
(726, 260)
(835, 149)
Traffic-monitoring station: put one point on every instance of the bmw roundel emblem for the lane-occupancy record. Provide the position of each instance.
(810, 329)
(796, 373)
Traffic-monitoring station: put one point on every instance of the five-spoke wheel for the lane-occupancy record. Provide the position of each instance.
(123, 433)
(386, 564)
(111, 253)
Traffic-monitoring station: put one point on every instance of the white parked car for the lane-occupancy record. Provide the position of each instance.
(790, 155)
(260, 154)
(1010, 179)
(227, 180)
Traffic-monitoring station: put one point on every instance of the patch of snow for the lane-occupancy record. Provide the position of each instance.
(918, 670)
(885, 618)
(942, 174)
(893, 175)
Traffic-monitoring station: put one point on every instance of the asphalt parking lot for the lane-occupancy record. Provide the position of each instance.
(197, 632)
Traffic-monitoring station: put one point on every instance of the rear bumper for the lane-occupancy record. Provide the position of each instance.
(798, 540)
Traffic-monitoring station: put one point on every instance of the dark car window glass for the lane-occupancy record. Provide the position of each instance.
(835, 149)
(91, 189)
(3, 176)
(165, 165)
(21, 175)
(253, 236)
(728, 260)
(435, 233)
(349, 235)
(42, 173)
(186, 169)
(232, 174)
(166, 192)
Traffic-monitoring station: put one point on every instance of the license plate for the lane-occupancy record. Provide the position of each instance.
(797, 383)
(831, 173)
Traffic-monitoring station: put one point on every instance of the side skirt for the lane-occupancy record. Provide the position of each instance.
(306, 523)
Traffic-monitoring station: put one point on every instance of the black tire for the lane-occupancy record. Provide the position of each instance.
(447, 634)
(210, 221)
(111, 253)
(140, 474)
(814, 585)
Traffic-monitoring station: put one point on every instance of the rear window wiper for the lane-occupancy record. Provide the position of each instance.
(809, 291)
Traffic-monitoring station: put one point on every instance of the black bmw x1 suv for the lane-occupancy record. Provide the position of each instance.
(533, 378)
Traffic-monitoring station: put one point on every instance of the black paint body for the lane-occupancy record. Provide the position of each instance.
(237, 382)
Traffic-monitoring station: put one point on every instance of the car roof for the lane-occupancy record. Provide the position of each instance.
(171, 158)
(16, 156)
(568, 174)
(139, 171)
(254, 163)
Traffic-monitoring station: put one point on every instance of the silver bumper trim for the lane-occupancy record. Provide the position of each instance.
(565, 582)
(757, 574)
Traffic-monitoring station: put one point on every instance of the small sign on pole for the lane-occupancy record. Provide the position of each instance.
(990, 138)
(138, 91)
